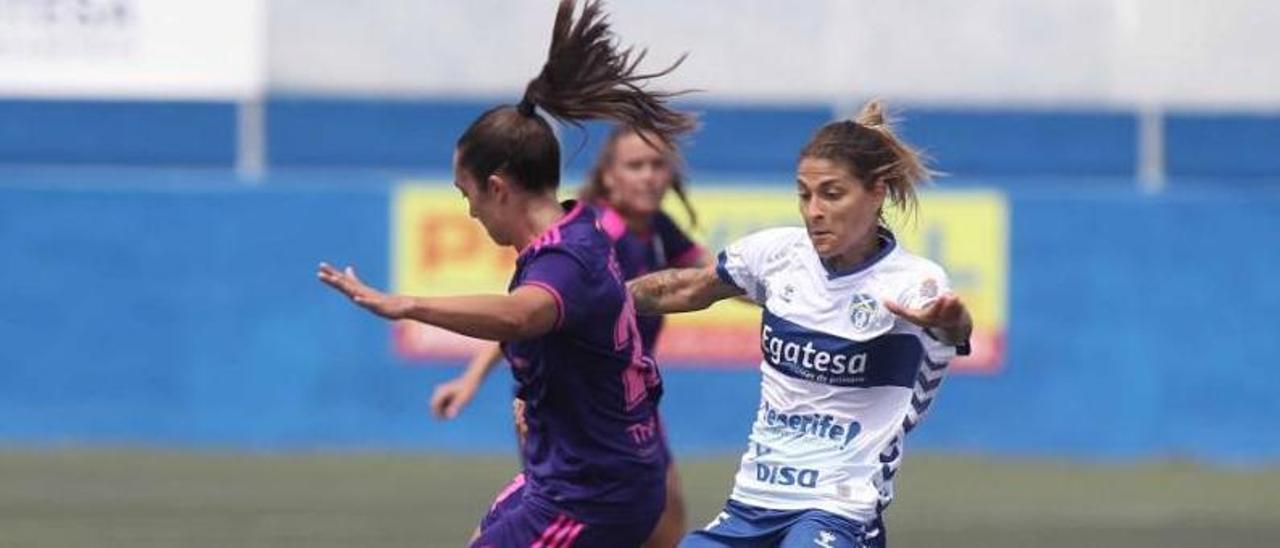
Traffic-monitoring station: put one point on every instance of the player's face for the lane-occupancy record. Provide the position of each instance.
(638, 177)
(482, 205)
(839, 211)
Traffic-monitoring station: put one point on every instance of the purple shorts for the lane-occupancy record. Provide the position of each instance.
(518, 521)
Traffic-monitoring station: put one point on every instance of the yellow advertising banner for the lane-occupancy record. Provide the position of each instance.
(439, 250)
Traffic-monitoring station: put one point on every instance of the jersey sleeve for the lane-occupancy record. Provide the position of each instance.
(742, 263)
(680, 250)
(931, 284)
(563, 276)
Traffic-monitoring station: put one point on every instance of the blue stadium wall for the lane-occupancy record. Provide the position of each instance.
(177, 306)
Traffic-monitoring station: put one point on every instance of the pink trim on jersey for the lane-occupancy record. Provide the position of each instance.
(561, 532)
(612, 222)
(557, 540)
(551, 237)
(570, 534)
(689, 257)
(552, 234)
(547, 533)
(515, 485)
(554, 294)
(635, 382)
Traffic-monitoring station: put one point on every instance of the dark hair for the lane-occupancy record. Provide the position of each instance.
(594, 189)
(872, 152)
(586, 76)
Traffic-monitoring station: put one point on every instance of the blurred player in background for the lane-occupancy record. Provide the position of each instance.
(595, 463)
(627, 185)
(856, 334)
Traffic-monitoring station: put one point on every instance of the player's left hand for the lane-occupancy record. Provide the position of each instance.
(946, 316)
(392, 307)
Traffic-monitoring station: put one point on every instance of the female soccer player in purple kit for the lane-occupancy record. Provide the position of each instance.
(627, 185)
(594, 461)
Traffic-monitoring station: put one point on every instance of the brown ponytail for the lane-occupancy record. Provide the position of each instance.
(586, 76)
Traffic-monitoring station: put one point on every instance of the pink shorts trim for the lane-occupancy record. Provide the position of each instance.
(515, 485)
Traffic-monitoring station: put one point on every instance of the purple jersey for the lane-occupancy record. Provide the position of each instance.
(665, 246)
(594, 447)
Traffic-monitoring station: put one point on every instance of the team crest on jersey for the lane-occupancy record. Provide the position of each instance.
(929, 289)
(867, 315)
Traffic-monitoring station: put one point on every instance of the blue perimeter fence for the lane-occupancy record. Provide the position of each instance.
(178, 306)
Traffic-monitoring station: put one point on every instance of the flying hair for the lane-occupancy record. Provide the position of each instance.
(586, 76)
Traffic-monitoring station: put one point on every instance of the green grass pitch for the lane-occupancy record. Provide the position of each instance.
(137, 499)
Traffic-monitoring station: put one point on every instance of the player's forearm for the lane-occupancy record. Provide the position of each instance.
(678, 290)
(489, 317)
(483, 362)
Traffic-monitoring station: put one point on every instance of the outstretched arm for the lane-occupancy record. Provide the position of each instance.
(525, 313)
(679, 290)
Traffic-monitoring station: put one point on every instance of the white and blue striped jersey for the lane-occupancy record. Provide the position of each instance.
(844, 379)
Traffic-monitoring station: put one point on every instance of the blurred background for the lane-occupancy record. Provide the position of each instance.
(171, 171)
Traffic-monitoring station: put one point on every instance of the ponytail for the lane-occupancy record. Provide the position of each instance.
(586, 77)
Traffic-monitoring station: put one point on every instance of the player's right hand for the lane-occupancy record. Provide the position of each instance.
(391, 307)
(450, 398)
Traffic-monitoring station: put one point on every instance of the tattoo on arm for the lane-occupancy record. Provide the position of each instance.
(679, 290)
(649, 291)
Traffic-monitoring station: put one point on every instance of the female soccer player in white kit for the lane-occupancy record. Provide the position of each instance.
(856, 335)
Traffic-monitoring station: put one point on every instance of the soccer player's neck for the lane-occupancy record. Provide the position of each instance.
(639, 223)
(538, 215)
(857, 254)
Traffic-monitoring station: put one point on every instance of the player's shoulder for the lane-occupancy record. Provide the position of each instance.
(578, 237)
(661, 219)
(664, 220)
(905, 263)
(777, 237)
(911, 278)
(554, 254)
(609, 221)
(782, 233)
(769, 246)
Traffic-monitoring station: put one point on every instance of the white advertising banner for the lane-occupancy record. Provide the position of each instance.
(1001, 52)
(150, 49)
